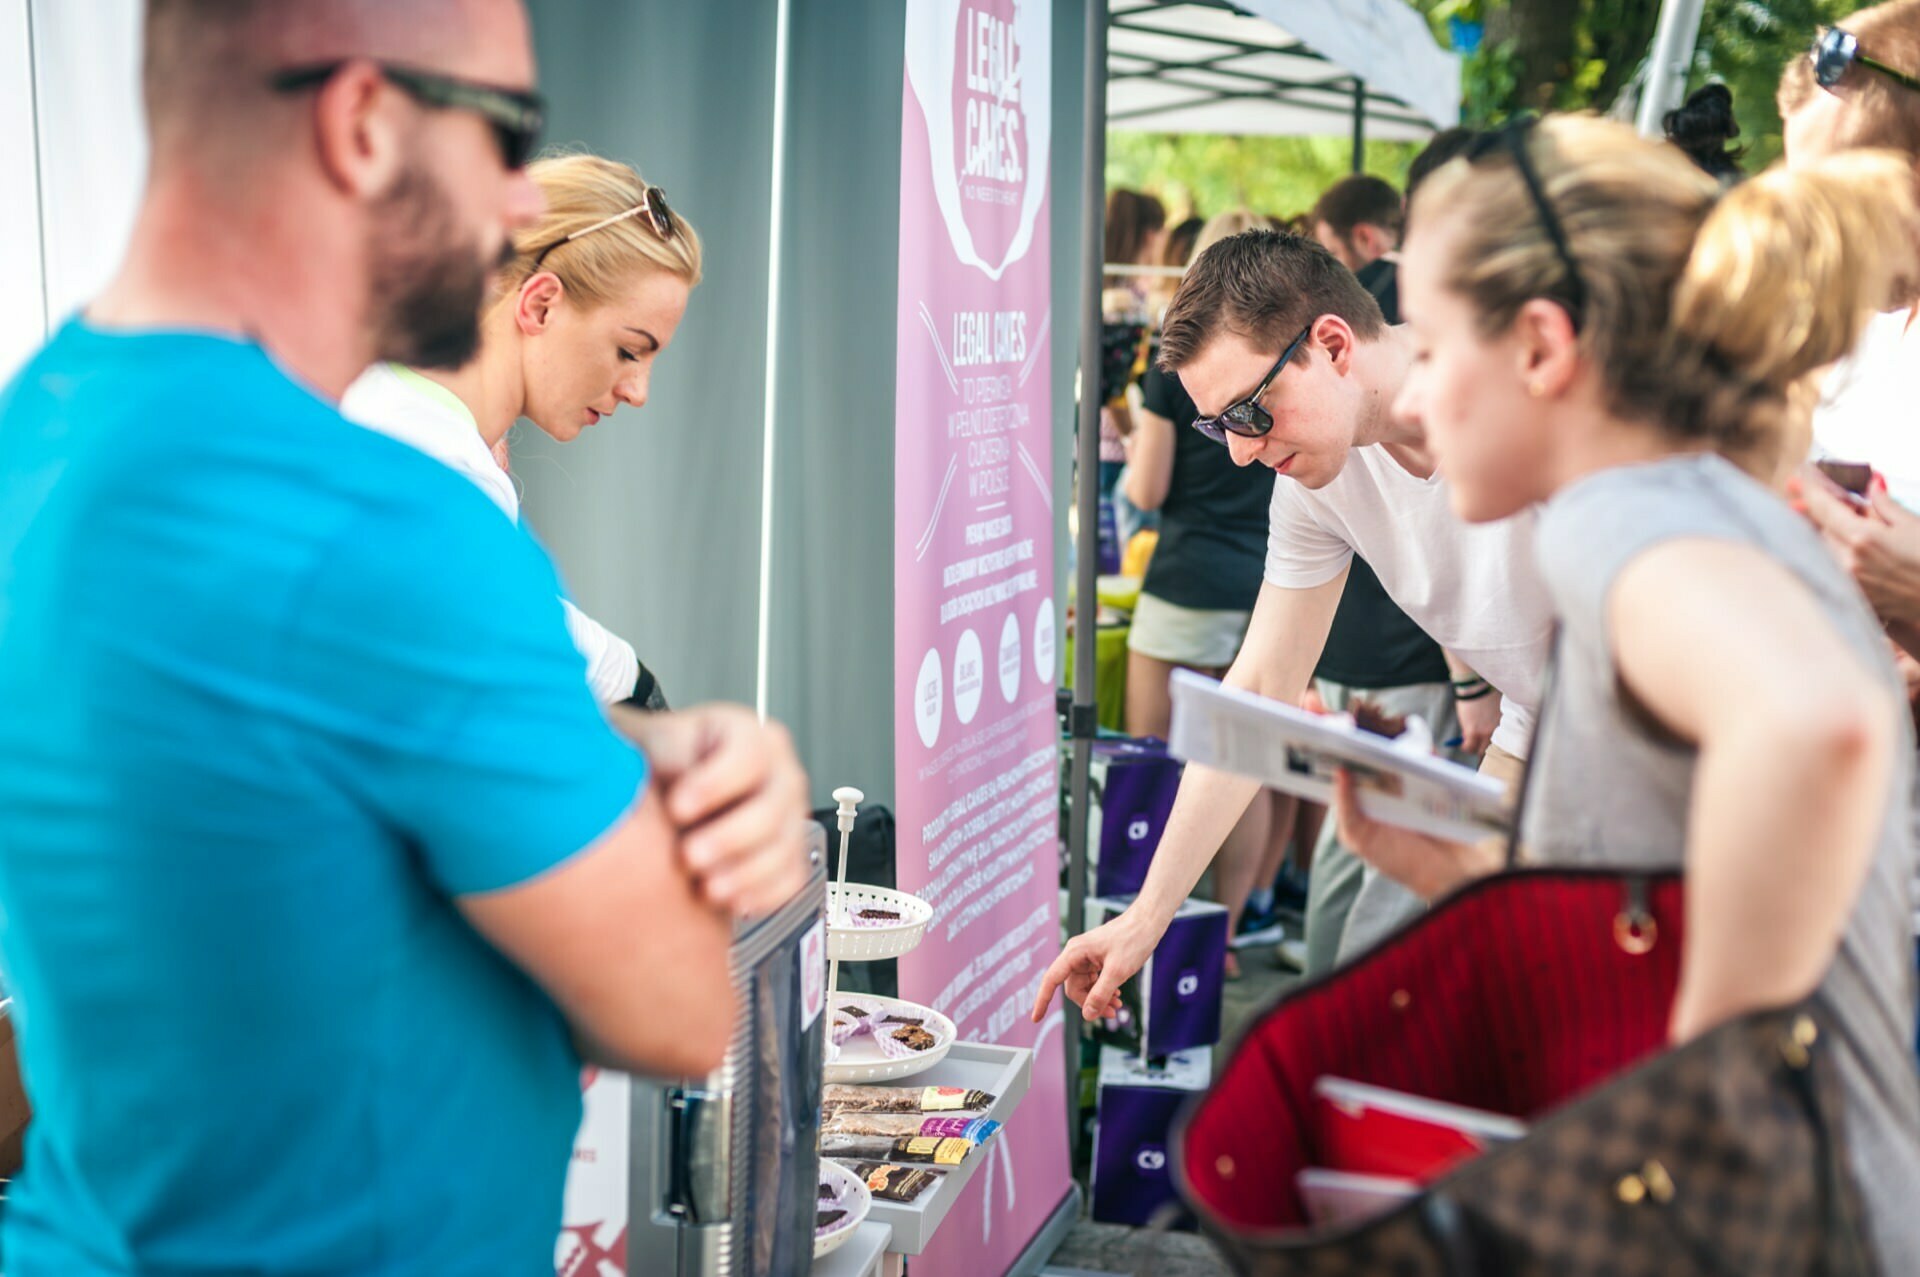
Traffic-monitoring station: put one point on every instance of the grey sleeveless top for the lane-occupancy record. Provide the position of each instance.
(1608, 790)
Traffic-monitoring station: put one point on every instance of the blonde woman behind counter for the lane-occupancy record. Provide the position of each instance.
(592, 295)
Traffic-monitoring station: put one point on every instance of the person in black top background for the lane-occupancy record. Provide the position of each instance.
(1358, 220)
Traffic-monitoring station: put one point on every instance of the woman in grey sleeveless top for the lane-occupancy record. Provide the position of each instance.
(1601, 332)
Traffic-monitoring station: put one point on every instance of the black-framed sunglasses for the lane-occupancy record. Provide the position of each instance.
(1837, 50)
(1511, 138)
(652, 209)
(516, 115)
(1245, 417)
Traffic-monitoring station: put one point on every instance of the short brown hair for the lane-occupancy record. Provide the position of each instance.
(1264, 286)
(1880, 112)
(1360, 200)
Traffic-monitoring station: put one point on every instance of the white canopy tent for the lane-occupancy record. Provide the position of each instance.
(1278, 67)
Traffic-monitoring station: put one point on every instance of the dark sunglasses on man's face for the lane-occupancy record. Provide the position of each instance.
(517, 115)
(1246, 417)
(1836, 50)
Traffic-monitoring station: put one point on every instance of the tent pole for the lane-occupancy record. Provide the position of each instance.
(1359, 125)
(1673, 44)
(1082, 717)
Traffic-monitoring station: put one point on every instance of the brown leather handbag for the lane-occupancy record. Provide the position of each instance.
(1542, 993)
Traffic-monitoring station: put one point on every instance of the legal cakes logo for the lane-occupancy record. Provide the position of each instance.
(990, 150)
(981, 72)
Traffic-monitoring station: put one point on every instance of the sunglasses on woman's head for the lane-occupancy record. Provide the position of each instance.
(1245, 417)
(652, 208)
(1836, 51)
(515, 115)
(1511, 139)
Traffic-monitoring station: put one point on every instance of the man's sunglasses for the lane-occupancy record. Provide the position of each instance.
(1837, 50)
(1246, 417)
(1511, 139)
(517, 115)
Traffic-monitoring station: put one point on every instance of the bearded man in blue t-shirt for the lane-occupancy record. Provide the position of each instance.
(317, 857)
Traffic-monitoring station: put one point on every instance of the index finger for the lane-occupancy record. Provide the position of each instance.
(1050, 983)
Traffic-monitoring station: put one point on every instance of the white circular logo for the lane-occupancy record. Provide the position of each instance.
(968, 676)
(1151, 1159)
(983, 77)
(1043, 641)
(928, 693)
(1139, 829)
(1188, 986)
(1010, 659)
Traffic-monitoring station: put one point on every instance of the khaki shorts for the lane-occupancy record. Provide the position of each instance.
(1503, 766)
(1507, 768)
(1205, 638)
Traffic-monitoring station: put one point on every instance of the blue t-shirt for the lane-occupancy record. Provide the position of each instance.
(276, 688)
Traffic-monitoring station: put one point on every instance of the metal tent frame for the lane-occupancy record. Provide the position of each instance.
(1210, 66)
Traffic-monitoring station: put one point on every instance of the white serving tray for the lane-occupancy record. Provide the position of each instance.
(1003, 1071)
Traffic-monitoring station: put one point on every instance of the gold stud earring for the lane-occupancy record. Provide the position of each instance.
(1535, 389)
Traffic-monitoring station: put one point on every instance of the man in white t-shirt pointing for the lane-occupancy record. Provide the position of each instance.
(1292, 367)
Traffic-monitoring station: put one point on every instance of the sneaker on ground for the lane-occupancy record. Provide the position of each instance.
(1258, 928)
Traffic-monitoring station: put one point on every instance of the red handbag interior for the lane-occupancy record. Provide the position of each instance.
(1512, 996)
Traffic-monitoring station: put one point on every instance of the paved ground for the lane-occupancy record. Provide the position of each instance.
(1137, 1252)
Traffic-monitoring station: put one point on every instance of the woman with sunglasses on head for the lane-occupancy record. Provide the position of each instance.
(1594, 327)
(592, 294)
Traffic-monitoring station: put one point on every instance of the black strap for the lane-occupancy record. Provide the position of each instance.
(1449, 1230)
(1842, 1252)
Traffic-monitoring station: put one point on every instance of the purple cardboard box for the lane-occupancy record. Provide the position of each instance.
(1174, 1002)
(1132, 1160)
(1137, 780)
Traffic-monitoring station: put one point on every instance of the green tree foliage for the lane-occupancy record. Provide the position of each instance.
(1542, 55)
(1206, 174)
(1534, 55)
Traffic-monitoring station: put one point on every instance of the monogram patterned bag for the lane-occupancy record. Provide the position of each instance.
(1543, 993)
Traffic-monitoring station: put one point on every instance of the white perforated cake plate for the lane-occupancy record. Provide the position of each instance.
(854, 1199)
(851, 940)
(860, 1059)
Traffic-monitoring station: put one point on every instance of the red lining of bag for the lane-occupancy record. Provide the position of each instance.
(1517, 999)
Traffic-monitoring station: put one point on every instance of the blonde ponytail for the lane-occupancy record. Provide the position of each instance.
(1782, 275)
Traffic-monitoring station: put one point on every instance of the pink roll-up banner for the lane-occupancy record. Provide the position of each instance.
(976, 755)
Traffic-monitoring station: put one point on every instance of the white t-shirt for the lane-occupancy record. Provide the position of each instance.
(1472, 587)
(399, 402)
(1869, 408)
